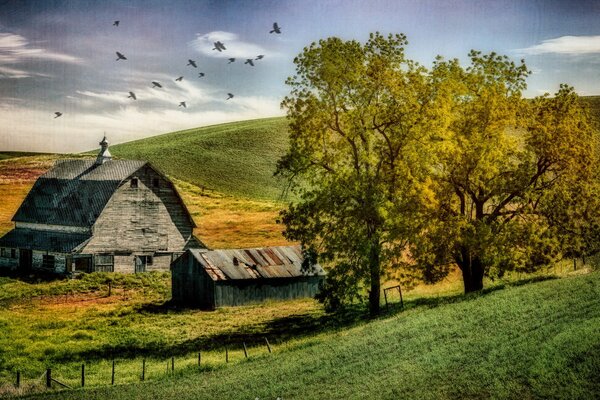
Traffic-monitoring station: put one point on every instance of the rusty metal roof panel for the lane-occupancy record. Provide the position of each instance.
(257, 263)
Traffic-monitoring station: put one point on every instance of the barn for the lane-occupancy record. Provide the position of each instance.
(86, 215)
(217, 278)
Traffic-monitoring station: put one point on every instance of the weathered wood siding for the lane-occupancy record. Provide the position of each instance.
(191, 285)
(236, 293)
(9, 262)
(142, 220)
(59, 261)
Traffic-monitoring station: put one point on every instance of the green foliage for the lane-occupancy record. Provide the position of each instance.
(235, 158)
(504, 170)
(357, 113)
(536, 341)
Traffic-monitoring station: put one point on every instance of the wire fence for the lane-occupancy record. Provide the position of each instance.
(121, 371)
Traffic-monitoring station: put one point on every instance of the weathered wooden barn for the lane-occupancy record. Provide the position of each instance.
(211, 279)
(99, 215)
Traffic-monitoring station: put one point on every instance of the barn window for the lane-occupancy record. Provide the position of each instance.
(3, 252)
(104, 263)
(13, 253)
(48, 261)
(155, 182)
(134, 182)
(141, 262)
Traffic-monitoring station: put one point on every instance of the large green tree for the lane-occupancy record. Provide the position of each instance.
(359, 116)
(506, 170)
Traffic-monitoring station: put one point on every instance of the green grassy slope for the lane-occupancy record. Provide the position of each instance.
(534, 341)
(236, 158)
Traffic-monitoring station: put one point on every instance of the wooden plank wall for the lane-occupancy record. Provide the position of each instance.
(141, 219)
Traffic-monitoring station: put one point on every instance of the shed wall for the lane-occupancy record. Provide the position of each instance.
(236, 293)
(10, 262)
(191, 285)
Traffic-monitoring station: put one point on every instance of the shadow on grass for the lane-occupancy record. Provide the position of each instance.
(277, 331)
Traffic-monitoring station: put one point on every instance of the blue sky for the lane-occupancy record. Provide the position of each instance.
(60, 56)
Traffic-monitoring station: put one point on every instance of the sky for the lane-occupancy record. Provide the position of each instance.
(60, 56)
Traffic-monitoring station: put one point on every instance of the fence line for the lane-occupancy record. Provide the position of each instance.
(52, 380)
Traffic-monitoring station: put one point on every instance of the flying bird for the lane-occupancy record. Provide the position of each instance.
(179, 79)
(219, 46)
(58, 114)
(120, 56)
(156, 84)
(276, 28)
(259, 57)
(231, 60)
(116, 23)
(201, 74)
(192, 63)
(182, 104)
(249, 61)
(230, 96)
(132, 96)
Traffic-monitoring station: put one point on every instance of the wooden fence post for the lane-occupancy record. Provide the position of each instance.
(48, 378)
(385, 297)
(245, 350)
(143, 369)
(109, 288)
(112, 379)
(199, 358)
(226, 355)
(401, 301)
(173, 364)
(18, 379)
(268, 345)
(82, 375)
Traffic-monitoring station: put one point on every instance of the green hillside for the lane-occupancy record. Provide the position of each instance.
(535, 341)
(236, 158)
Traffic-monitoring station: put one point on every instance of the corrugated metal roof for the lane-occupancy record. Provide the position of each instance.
(74, 192)
(58, 242)
(257, 263)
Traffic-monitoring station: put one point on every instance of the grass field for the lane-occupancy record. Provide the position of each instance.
(235, 159)
(534, 341)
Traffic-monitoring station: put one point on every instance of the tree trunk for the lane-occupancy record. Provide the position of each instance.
(472, 271)
(375, 278)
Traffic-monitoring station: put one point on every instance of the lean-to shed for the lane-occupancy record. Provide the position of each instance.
(211, 279)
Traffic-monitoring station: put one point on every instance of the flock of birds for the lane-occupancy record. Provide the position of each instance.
(218, 45)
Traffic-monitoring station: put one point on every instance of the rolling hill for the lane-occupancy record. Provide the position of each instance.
(236, 158)
(535, 341)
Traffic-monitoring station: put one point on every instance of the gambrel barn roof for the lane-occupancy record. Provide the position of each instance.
(74, 192)
(256, 263)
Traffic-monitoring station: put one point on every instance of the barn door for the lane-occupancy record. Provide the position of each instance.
(25, 260)
(140, 265)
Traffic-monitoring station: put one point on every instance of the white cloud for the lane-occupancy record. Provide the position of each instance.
(204, 43)
(571, 45)
(170, 94)
(15, 49)
(37, 130)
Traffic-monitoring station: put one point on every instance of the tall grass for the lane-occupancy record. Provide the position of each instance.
(533, 341)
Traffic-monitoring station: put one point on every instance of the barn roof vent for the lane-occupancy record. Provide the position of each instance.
(236, 262)
(104, 154)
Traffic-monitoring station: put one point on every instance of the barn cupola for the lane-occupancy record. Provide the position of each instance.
(104, 154)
